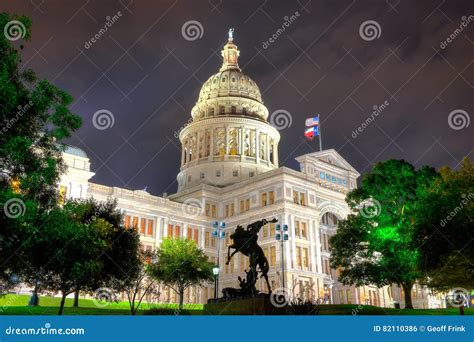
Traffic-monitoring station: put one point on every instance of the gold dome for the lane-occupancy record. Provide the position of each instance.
(230, 92)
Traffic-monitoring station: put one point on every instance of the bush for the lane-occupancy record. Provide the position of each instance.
(167, 312)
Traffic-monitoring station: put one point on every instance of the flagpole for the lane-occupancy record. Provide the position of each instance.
(319, 131)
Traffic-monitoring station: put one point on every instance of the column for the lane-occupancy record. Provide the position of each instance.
(318, 247)
(211, 145)
(257, 144)
(312, 244)
(291, 247)
(182, 154)
(268, 148)
(275, 152)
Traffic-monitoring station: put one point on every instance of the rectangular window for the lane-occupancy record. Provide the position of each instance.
(135, 223)
(235, 173)
(202, 175)
(264, 199)
(142, 226)
(302, 199)
(232, 209)
(295, 197)
(272, 229)
(207, 237)
(62, 194)
(304, 234)
(233, 109)
(190, 233)
(227, 210)
(328, 177)
(344, 182)
(271, 196)
(208, 209)
(221, 110)
(151, 223)
(242, 206)
(265, 231)
(126, 223)
(272, 256)
(213, 211)
(297, 229)
(247, 204)
(305, 257)
(333, 179)
(339, 181)
(218, 173)
(298, 256)
(196, 236)
(170, 230)
(322, 175)
(177, 232)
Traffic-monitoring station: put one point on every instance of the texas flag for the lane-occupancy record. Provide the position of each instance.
(311, 132)
(311, 122)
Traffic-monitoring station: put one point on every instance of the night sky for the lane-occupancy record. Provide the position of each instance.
(148, 76)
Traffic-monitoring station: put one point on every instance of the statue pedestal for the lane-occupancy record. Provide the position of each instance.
(249, 306)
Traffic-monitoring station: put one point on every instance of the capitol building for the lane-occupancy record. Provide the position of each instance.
(230, 173)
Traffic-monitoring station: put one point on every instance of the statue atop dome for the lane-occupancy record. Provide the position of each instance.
(231, 34)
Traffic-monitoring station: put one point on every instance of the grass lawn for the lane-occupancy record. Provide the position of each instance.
(18, 305)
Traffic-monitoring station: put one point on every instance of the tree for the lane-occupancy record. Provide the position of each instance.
(120, 254)
(63, 252)
(376, 244)
(34, 116)
(139, 283)
(181, 264)
(444, 228)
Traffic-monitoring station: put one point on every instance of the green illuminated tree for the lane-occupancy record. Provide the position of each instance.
(445, 229)
(376, 244)
(181, 264)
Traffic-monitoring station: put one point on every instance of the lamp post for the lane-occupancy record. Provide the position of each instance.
(219, 234)
(282, 236)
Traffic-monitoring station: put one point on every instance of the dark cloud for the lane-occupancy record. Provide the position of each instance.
(149, 76)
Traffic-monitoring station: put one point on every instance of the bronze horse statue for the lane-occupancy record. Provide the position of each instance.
(245, 242)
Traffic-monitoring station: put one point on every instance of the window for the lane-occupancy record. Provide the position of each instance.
(126, 223)
(235, 173)
(328, 177)
(333, 179)
(196, 236)
(218, 173)
(251, 174)
(304, 234)
(247, 204)
(202, 175)
(189, 179)
(207, 236)
(142, 226)
(305, 257)
(344, 182)
(339, 181)
(298, 256)
(213, 211)
(233, 109)
(170, 230)
(211, 111)
(264, 199)
(265, 231)
(244, 111)
(135, 223)
(62, 194)
(229, 210)
(151, 224)
(271, 199)
(190, 233)
(221, 109)
(297, 228)
(272, 256)
(299, 198)
(177, 231)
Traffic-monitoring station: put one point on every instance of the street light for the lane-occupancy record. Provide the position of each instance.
(282, 236)
(219, 234)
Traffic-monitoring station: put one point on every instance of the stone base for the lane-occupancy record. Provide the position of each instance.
(250, 306)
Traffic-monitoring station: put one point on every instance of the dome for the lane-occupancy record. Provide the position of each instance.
(76, 151)
(229, 92)
(229, 139)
